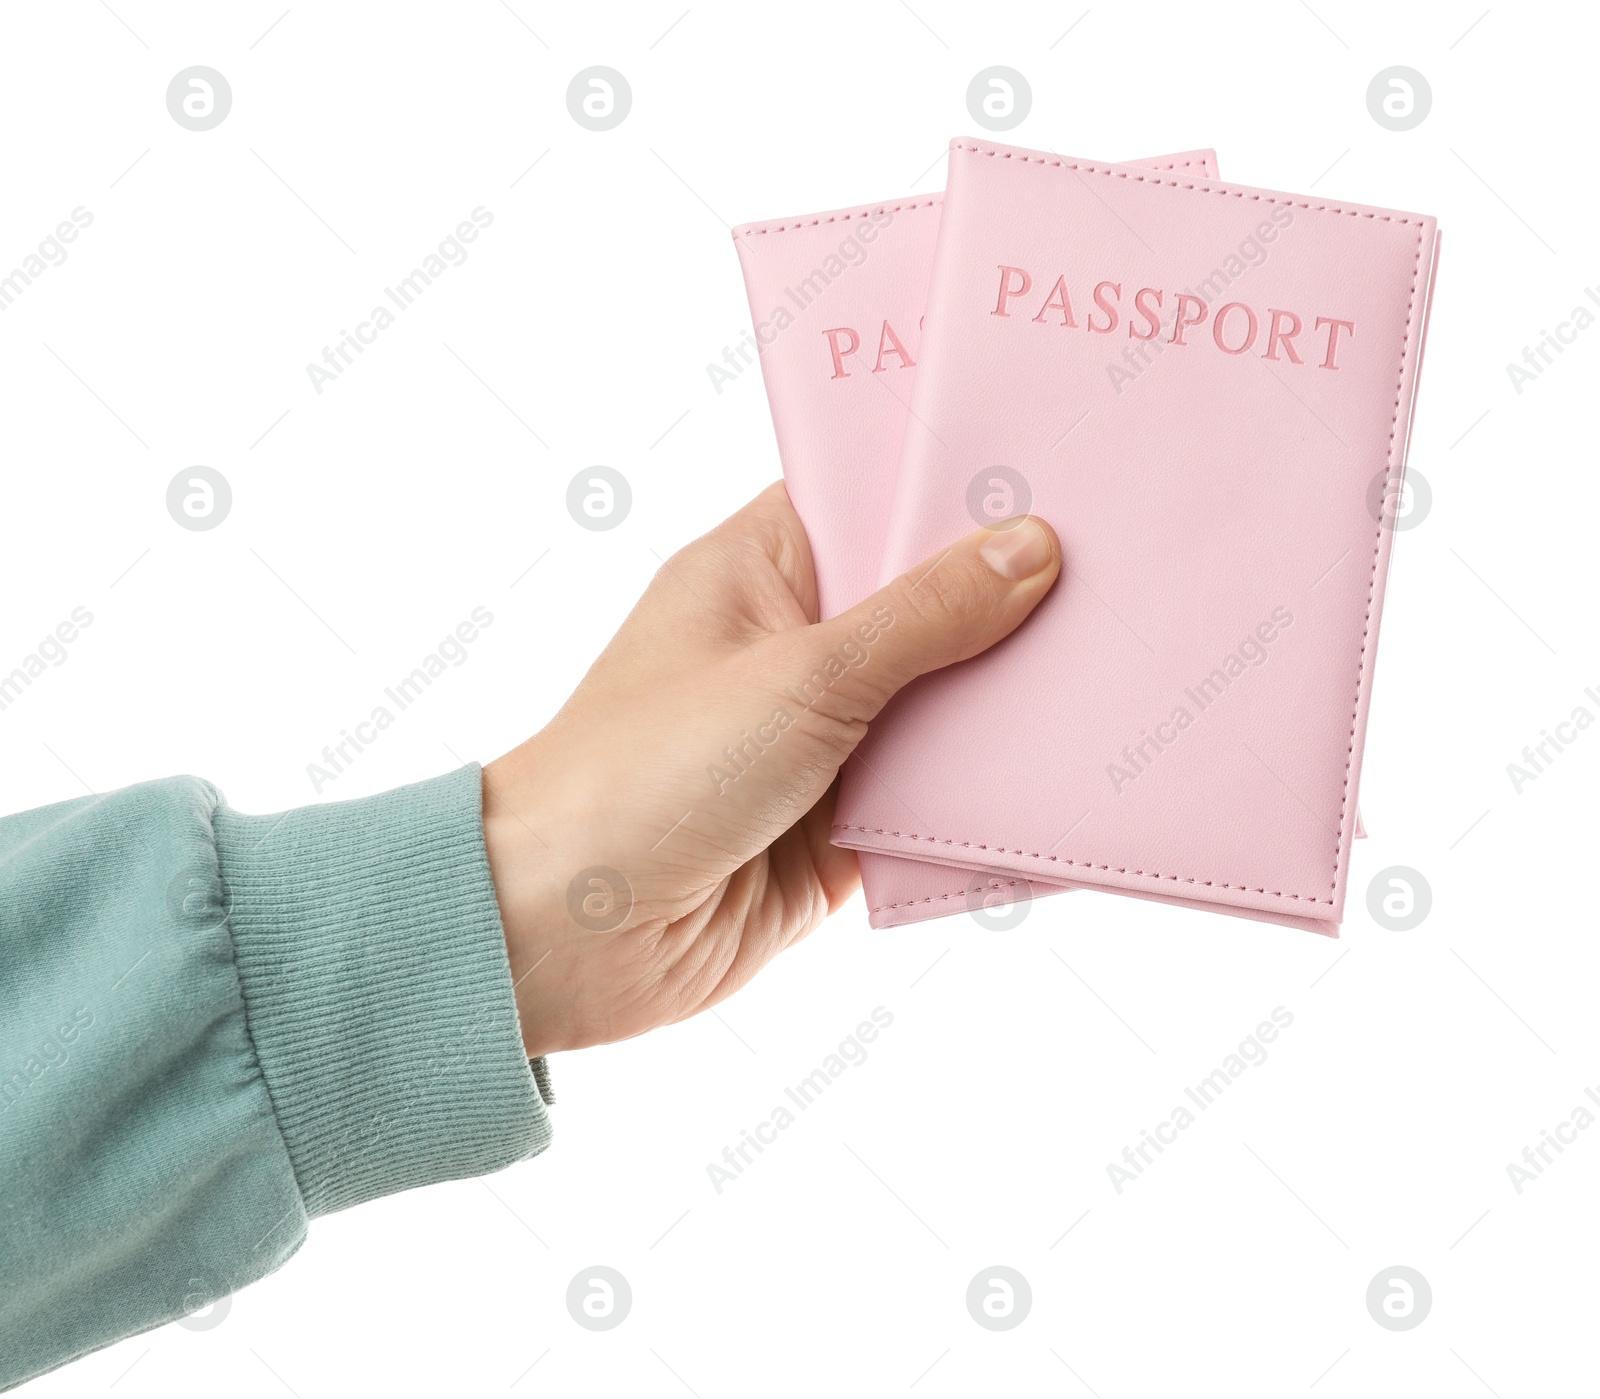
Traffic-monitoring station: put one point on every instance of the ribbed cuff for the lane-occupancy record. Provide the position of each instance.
(377, 990)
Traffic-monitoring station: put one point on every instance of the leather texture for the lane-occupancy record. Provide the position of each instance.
(1184, 716)
(817, 283)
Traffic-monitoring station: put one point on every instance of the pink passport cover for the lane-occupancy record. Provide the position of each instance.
(836, 307)
(1184, 715)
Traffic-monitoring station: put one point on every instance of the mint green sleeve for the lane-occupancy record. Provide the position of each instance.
(216, 1027)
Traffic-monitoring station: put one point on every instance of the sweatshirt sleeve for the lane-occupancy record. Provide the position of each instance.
(215, 1027)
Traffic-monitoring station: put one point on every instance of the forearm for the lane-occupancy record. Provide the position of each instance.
(214, 1027)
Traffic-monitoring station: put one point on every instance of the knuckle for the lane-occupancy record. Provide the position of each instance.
(832, 683)
(951, 593)
(836, 722)
(830, 698)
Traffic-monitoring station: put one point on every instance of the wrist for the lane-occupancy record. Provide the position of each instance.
(518, 836)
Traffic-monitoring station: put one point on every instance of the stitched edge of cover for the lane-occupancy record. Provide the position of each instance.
(953, 894)
(930, 203)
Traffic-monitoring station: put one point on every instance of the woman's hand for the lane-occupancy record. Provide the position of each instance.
(667, 834)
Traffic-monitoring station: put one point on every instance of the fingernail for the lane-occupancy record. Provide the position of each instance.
(1018, 550)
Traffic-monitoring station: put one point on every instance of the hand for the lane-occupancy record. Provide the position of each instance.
(667, 835)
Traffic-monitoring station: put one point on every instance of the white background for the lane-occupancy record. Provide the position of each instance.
(372, 518)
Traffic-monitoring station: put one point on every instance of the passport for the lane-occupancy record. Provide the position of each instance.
(1183, 717)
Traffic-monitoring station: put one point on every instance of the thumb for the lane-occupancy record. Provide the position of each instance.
(947, 609)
